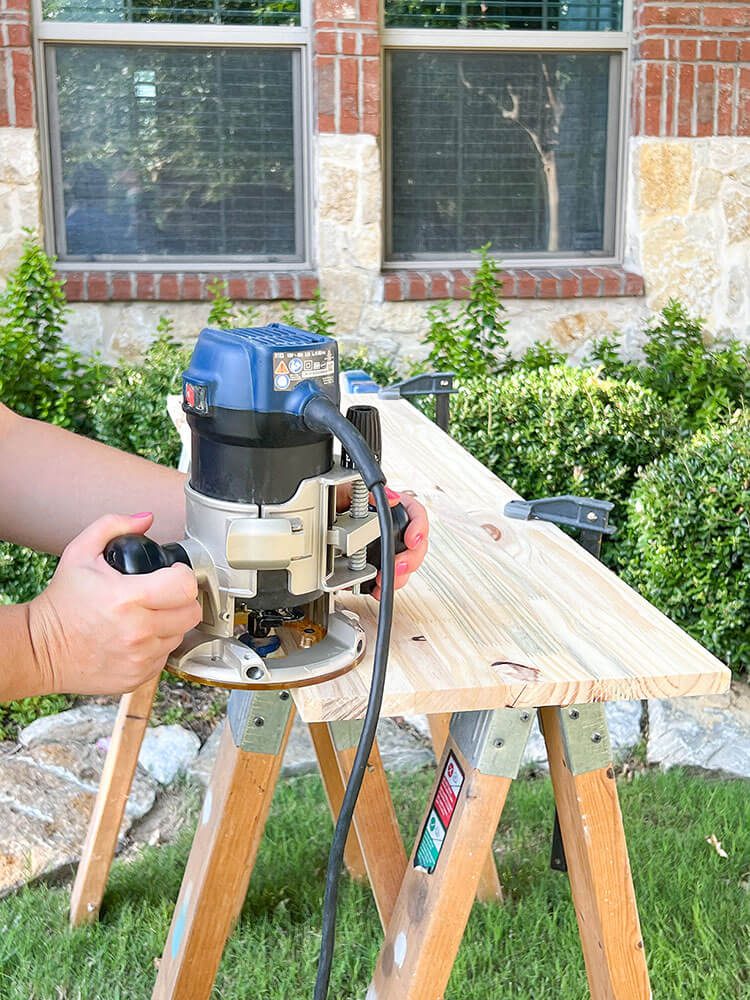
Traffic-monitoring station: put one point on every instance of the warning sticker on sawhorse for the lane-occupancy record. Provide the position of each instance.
(440, 816)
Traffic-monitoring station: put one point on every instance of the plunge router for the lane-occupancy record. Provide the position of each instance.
(264, 537)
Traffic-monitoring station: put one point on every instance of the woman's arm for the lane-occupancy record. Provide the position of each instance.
(53, 484)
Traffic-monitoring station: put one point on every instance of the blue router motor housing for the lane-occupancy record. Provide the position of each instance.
(266, 369)
(244, 393)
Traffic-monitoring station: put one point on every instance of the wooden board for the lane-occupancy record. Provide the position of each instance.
(503, 612)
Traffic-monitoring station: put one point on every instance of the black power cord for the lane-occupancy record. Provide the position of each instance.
(321, 414)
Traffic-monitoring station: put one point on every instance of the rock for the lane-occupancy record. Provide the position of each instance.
(167, 751)
(200, 769)
(47, 791)
(85, 724)
(400, 749)
(709, 733)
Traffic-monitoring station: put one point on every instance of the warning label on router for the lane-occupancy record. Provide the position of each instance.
(292, 367)
(440, 815)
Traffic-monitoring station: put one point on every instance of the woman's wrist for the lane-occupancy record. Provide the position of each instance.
(41, 629)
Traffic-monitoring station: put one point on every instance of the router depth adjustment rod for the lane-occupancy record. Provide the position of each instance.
(268, 547)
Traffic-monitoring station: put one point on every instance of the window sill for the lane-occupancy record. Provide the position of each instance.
(518, 283)
(147, 286)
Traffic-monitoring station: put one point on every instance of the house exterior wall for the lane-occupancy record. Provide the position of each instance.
(687, 199)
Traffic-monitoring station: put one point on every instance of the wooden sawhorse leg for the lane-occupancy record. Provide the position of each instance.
(334, 787)
(601, 884)
(230, 828)
(111, 799)
(489, 889)
(482, 756)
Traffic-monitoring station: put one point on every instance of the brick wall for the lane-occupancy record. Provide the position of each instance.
(692, 75)
(347, 66)
(16, 77)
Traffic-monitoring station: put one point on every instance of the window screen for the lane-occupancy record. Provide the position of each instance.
(169, 151)
(518, 15)
(173, 11)
(506, 148)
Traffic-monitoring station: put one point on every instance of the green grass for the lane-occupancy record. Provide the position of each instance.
(695, 907)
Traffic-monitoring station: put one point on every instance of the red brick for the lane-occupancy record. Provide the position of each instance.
(326, 43)
(671, 15)
(439, 285)
(704, 100)
(371, 94)
(569, 285)
(709, 49)
(652, 48)
(685, 109)
(392, 288)
(325, 74)
(169, 288)
(326, 123)
(369, 10)
(633, 284)
(724, 102)
(97, 287)
(729, 51)
(192, 288)
(737, 16)
(546, 285)
(350, 43)
(238, 289)
(745, 52)
(370, 44)
(688, 50)
(416, 287)
(508, 284)
(612, 280)
(525, 284)
(145, 286)
(19, 36)
(285, 286)
(670, 118)
(73, 287)
(308, 286)
(122, 287)
(261, 288)
(636, 110)
(743, 110)
(349, 86)
(23, 88)
(591, 284)
(462, 284)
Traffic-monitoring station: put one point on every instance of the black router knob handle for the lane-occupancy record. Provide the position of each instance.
(374, 551)
(367, 421)
(131, 554)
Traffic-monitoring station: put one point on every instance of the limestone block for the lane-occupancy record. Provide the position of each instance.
(735, 203)
(679, 258)
(707, 187)
(338, 193)
(665, 177)
(19, 157)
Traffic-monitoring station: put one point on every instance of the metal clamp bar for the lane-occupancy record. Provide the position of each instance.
(493, 741)
(258, 719)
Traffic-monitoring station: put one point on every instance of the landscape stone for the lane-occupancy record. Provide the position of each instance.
(167, 751)
(86, 724)
(709, 733)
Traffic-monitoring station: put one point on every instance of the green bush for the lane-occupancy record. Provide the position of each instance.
(472, 342)
(562, 430)
(688, 538)
(41, 376)
(702, 382)
(131, 413)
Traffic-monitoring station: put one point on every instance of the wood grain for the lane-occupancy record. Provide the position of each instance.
(377, 830)
(599, 872)
(111, 799)
(503, 612)
(431, 912)
(334, 786)
(218, 871)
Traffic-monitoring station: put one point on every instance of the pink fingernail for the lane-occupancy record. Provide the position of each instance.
(418, 539)
(391, 494)
(143, 513)
(401, 567)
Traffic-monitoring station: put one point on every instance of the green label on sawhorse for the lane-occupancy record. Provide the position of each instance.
(440, 816)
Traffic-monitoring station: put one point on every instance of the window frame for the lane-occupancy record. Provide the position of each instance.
(616, 43)
(48, 34)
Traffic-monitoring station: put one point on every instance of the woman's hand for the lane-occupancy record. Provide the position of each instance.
(96, 631)
(415, 538)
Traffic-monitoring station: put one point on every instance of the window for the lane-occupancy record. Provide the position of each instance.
(174, 144)
(504, 127)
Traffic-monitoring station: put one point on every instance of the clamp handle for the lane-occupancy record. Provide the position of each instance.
(131, 554)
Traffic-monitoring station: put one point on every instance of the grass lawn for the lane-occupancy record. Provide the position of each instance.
(695, 907)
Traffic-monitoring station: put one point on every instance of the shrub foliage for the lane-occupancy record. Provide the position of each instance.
(688, 538)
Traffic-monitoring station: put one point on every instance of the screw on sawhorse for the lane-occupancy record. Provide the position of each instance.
(591, 519)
